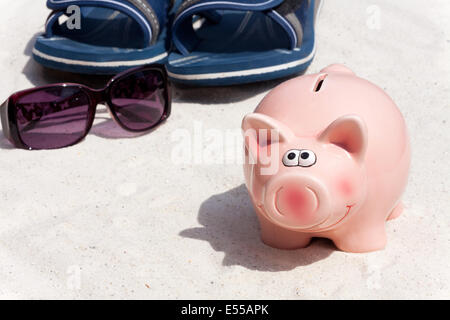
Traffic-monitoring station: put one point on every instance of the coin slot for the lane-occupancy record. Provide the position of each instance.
(319, 82)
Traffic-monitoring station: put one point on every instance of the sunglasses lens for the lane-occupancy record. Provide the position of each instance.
(53, 117)
(139, 99)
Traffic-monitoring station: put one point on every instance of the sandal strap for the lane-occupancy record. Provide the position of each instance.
(151, 15)
(287, 13)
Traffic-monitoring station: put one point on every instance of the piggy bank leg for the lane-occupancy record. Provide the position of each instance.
(280, 238)
(366, 239)
(396, 212)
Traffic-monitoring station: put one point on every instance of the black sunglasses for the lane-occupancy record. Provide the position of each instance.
(61, 115)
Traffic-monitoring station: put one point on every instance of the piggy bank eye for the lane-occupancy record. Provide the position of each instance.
(307, 158)
(290, 158)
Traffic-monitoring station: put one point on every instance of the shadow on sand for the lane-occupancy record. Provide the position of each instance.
(230, 225)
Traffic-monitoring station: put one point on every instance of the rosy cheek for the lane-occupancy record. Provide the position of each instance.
(345, 187)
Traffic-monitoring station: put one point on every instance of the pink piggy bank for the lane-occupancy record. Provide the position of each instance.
(327, 155)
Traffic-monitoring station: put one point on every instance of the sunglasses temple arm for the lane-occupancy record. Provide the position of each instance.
(4, 119)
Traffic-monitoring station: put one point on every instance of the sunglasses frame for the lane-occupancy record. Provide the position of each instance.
(96, 97)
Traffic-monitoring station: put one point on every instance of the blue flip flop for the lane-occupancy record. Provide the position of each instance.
(241, 41)
(112, 35)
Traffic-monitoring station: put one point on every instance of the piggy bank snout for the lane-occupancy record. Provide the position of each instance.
(297, 201)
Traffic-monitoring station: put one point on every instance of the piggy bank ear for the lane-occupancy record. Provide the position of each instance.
(348, 132)
(260, 130)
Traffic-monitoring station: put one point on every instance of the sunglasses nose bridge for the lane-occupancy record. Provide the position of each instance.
(100, 96)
